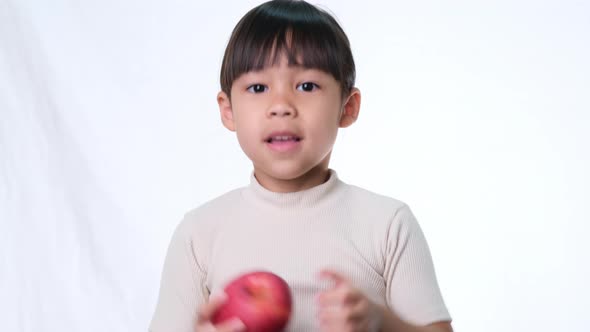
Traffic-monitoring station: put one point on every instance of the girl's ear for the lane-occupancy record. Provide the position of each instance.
(225, 110)
(351, 108)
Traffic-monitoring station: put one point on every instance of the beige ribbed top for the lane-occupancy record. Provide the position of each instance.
(374, 240)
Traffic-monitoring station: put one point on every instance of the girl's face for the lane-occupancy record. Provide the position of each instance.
(286, 119)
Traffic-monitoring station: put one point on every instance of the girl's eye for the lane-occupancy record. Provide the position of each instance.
(257, 88)
(307, 86)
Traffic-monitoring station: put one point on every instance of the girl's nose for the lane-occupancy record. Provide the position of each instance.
(282, 106)
(281, 111)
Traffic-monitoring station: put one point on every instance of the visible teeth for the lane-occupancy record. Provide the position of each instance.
(283, 138)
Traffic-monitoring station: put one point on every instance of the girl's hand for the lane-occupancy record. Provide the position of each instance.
(346, 309)
(206, 313)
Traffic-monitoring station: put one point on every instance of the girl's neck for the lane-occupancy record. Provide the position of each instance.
(314, 177)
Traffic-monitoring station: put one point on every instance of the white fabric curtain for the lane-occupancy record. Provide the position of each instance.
(476, 114)
(62, 233)
(89, 92)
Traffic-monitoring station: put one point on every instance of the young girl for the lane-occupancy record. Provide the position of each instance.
(354, 260)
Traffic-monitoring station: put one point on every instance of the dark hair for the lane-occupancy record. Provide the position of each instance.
(307, 35)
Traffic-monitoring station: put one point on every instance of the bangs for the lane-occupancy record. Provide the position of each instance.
(304, 34)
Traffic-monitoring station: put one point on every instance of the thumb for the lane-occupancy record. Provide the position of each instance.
(231, 325)
(207, 311)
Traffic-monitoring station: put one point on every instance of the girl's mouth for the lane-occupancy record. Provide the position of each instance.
(283, 142)
(283, 138)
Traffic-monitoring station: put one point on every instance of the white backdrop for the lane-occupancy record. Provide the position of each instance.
(477, 114)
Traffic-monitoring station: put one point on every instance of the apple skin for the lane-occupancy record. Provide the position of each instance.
(260, 299)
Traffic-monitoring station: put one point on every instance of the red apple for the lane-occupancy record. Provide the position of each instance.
(262, 300)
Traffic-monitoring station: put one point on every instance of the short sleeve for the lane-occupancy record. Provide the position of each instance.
(182, 286)
(412, 289)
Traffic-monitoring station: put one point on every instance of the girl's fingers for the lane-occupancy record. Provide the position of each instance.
(342, 307)
(340, 296)
(232, 325)
(330, 319)
(334, 276)
(207, 311)
(347, 313)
